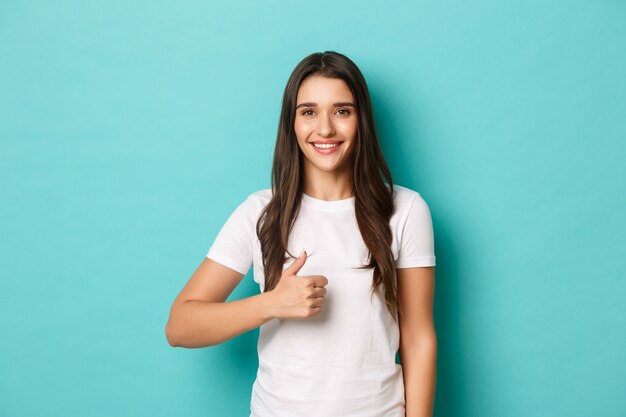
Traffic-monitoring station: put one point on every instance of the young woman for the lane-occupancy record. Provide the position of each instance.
(344, 260)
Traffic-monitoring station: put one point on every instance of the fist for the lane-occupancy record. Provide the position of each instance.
(299, 296)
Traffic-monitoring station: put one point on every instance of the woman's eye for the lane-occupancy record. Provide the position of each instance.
(345, 111)
(307, 112)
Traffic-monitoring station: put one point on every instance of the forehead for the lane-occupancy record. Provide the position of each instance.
(322, 90)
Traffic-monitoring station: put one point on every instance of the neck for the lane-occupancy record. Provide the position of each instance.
(328, 185)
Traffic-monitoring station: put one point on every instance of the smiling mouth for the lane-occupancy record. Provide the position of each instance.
(325, 148)
(326, 145)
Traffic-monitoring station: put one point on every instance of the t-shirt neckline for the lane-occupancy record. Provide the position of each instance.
(327, 205)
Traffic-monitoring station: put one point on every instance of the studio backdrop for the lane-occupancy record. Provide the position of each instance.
(129, 131)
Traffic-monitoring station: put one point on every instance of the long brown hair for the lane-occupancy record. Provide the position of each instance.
(373, 197)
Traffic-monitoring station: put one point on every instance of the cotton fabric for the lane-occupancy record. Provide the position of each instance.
(342, 361)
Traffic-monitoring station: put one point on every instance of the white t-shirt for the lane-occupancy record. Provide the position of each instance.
(342, 361)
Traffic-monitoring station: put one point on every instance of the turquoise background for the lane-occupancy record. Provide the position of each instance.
(130, 130)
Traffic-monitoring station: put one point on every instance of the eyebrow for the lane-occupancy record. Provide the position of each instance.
(340, 104)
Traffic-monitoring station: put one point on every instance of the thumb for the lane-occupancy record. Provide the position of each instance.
(297, 264)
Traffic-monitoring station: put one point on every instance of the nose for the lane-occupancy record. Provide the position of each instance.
(325, 127)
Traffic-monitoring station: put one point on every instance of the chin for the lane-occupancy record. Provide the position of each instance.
(329, 167)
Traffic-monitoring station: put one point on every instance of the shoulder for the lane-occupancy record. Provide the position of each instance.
(404, 197)
(255, 202)
(409, 205)
(260, 197)
(246, 213)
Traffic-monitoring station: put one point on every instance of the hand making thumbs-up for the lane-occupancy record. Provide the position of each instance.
(299, 297)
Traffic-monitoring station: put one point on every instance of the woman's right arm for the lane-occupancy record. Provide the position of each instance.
(200, 317)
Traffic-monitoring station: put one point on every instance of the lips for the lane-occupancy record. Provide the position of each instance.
(326, 149)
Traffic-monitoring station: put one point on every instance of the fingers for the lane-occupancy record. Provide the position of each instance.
(318, 292)
(319, 280)
(297, 264)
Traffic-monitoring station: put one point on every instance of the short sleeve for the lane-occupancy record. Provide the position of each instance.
(417, 246)
(232, 246)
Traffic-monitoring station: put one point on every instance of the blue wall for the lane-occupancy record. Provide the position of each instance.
(130, 130)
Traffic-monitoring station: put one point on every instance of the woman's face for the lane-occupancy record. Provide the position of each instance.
(325, 115)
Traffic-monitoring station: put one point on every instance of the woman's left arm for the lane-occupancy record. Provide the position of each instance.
(418, 339)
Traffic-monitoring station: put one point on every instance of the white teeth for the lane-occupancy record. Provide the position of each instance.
(325, 146)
